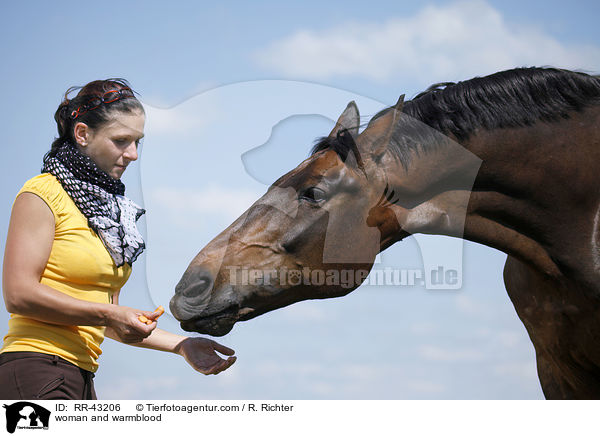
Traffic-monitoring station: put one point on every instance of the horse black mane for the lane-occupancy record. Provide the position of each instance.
(512, 98)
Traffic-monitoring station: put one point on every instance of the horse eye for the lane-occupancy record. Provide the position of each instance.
(314, 195)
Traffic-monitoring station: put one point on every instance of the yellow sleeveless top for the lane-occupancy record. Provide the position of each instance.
(80, 266)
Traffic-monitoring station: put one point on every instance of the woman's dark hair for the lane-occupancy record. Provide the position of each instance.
(66, 115)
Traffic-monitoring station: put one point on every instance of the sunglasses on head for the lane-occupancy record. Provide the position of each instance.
(108, 97)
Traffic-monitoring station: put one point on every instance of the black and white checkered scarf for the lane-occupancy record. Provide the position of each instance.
(101, 199)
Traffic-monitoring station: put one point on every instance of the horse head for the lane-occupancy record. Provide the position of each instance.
(314, 234)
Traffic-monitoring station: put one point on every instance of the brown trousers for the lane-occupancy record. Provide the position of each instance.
(37, 376)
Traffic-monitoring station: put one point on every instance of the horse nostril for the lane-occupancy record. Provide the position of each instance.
(197, 288)
(192, 291)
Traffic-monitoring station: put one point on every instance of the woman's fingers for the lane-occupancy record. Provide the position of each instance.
(218, 367)
(223, 349)
(150, 317)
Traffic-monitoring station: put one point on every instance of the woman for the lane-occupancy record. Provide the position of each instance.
(71, 242)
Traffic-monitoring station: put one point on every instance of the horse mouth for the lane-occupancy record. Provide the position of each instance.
(217, 324)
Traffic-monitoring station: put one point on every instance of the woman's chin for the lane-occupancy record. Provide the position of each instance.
(117, 172)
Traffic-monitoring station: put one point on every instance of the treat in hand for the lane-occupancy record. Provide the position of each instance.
(147, 321)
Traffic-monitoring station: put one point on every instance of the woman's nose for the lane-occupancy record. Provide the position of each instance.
(131, 152)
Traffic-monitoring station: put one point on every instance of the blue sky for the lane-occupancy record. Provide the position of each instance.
(235, 94)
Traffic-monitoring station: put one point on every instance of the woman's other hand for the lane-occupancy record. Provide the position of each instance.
(201, 354)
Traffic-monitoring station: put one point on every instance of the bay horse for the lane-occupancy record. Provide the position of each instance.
(508, 160)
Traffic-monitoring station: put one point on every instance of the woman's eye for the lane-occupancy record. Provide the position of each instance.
(314, 195)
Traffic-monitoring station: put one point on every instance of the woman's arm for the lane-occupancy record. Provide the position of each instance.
(28, 245)
(200, 353)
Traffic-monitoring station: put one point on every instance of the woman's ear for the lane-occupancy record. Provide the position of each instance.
(81, 133)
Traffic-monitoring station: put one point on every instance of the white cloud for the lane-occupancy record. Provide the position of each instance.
(141, 387)
(362, 372)
(510, 339)
(306, 311)
(297, 369)
(439, 354)
(212, 200)
(522, 370)
(189, 116)
(173, 120)
(450, 42)
(472, 307)
(423, 328)
(426, 387)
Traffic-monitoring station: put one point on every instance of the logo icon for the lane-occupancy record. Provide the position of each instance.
(26, 415)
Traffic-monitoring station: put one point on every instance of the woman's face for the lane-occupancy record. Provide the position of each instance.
(113, 146)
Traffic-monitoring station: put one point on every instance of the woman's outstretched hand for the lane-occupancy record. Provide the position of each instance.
(201, 354)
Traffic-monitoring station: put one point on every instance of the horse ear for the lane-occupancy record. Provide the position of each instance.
(400, 103)
(349, 120)
(375, 138)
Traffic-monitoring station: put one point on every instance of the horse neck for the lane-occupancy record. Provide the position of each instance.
(534, 196)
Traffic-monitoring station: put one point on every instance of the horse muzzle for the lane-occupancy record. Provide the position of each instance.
(200, 309)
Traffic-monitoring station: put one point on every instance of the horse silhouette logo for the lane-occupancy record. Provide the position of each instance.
(26, 415)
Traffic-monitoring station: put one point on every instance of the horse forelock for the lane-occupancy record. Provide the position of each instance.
(343, 144)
